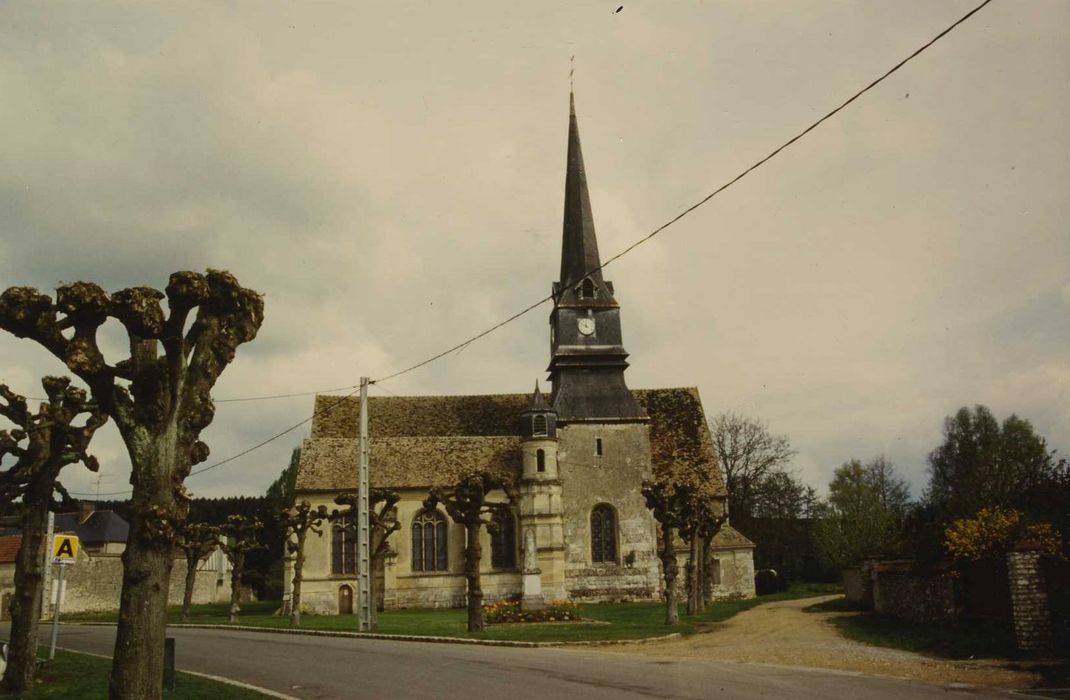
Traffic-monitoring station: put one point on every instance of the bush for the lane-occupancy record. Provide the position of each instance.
(509, 611)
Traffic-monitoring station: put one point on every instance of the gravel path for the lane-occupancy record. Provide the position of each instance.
(781, 633)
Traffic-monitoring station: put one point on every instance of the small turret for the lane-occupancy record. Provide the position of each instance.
(539, 420)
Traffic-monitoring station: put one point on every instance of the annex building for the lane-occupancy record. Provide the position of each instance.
(577, 456)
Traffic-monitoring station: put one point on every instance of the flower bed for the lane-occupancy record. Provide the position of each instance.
(509, 611)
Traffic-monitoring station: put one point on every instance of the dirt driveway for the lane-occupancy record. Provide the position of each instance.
(781, 633)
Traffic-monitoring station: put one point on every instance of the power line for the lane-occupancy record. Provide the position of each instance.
(246, 451)
(619, 255)
(708, 197)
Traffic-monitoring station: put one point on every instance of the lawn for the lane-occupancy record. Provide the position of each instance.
(963, 641)
(609, 621)
(72, 676)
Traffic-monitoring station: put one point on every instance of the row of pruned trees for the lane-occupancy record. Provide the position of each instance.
(159, 399)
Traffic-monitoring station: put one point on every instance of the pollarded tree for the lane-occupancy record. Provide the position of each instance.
(382, 521)
(160, 415)
(467, 504)
(44, 442)
(237, 536)
(196, 540)
(298, 522)
(667, 502)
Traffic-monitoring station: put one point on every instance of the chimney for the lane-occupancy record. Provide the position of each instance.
(85, 509)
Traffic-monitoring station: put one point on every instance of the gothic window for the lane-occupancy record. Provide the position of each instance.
(587, 289)
(598, 446)
(343, 547)
(540, 460)
(429, 544)
(538, 425)
(603, 534)
(503, 542)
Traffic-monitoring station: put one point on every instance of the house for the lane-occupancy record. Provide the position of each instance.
(94, 582)
(577, 456)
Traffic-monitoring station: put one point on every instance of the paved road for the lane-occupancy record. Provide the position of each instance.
(325, 667)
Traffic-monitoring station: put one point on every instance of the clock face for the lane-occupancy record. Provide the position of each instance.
(585, 325)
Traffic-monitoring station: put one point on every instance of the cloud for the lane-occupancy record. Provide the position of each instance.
(391, 179)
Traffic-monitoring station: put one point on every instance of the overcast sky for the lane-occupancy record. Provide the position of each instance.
(391, 175)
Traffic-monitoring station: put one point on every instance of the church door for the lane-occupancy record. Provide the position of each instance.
(345, 600)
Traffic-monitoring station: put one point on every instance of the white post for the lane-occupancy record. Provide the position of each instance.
(55, 613)
(363, 531)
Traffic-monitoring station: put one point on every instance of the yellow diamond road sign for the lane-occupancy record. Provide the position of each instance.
(65, 549)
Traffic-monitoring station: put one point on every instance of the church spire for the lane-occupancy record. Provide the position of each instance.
(579, 245)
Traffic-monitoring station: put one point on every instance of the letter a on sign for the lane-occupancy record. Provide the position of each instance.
(65, 548)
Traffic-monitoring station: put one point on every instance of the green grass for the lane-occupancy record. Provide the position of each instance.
(963, 641)
(966, 640)
(72, 676)
(625, 620)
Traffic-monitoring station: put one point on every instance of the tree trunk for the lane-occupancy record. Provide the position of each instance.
(295, 592)
(669, 568)
(707, 575)
(26, 604)
(137, 670)
(149, 557)
(191, 581)
(235, 585)
(473, 552)
(694, 577)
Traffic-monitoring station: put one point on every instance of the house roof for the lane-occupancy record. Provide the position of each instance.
(421, 441)
(729, 537)
(100, 527)
(9, 547)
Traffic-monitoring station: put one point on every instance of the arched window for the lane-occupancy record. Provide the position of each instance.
(343, 547)
(540, 460)
(538, 425)
(587, 289)
(429, 544)
(603, 534)
(503, 542)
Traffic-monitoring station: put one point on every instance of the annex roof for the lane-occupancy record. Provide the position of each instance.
(729, 537)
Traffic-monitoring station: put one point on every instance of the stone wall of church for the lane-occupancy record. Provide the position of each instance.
(614, 477)
(399, 586)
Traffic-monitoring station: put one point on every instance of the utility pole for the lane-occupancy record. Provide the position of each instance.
(364, 598)
(46, 599)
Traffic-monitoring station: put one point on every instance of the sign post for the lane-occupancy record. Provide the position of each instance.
(64, 554)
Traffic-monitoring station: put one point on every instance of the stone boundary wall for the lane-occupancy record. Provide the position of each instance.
(93, 584)
(908, 591)
(1029, 596)
(858, 586)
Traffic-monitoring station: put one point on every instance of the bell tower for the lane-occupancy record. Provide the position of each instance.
(587, 355)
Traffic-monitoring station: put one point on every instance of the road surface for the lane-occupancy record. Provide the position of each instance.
(328, 667)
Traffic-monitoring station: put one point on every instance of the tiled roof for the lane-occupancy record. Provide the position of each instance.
(330, 464)
(419, 441)
(729, 537)
(9, 547)
(100, 527)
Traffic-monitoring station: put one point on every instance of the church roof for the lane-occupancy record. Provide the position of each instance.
(421, 441)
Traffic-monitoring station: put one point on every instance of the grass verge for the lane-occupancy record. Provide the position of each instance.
(72, 676)
(967, 640)
(625, 620)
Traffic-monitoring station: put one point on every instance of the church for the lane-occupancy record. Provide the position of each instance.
(580, 528)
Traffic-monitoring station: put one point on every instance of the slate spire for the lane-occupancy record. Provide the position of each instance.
(579, 245)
